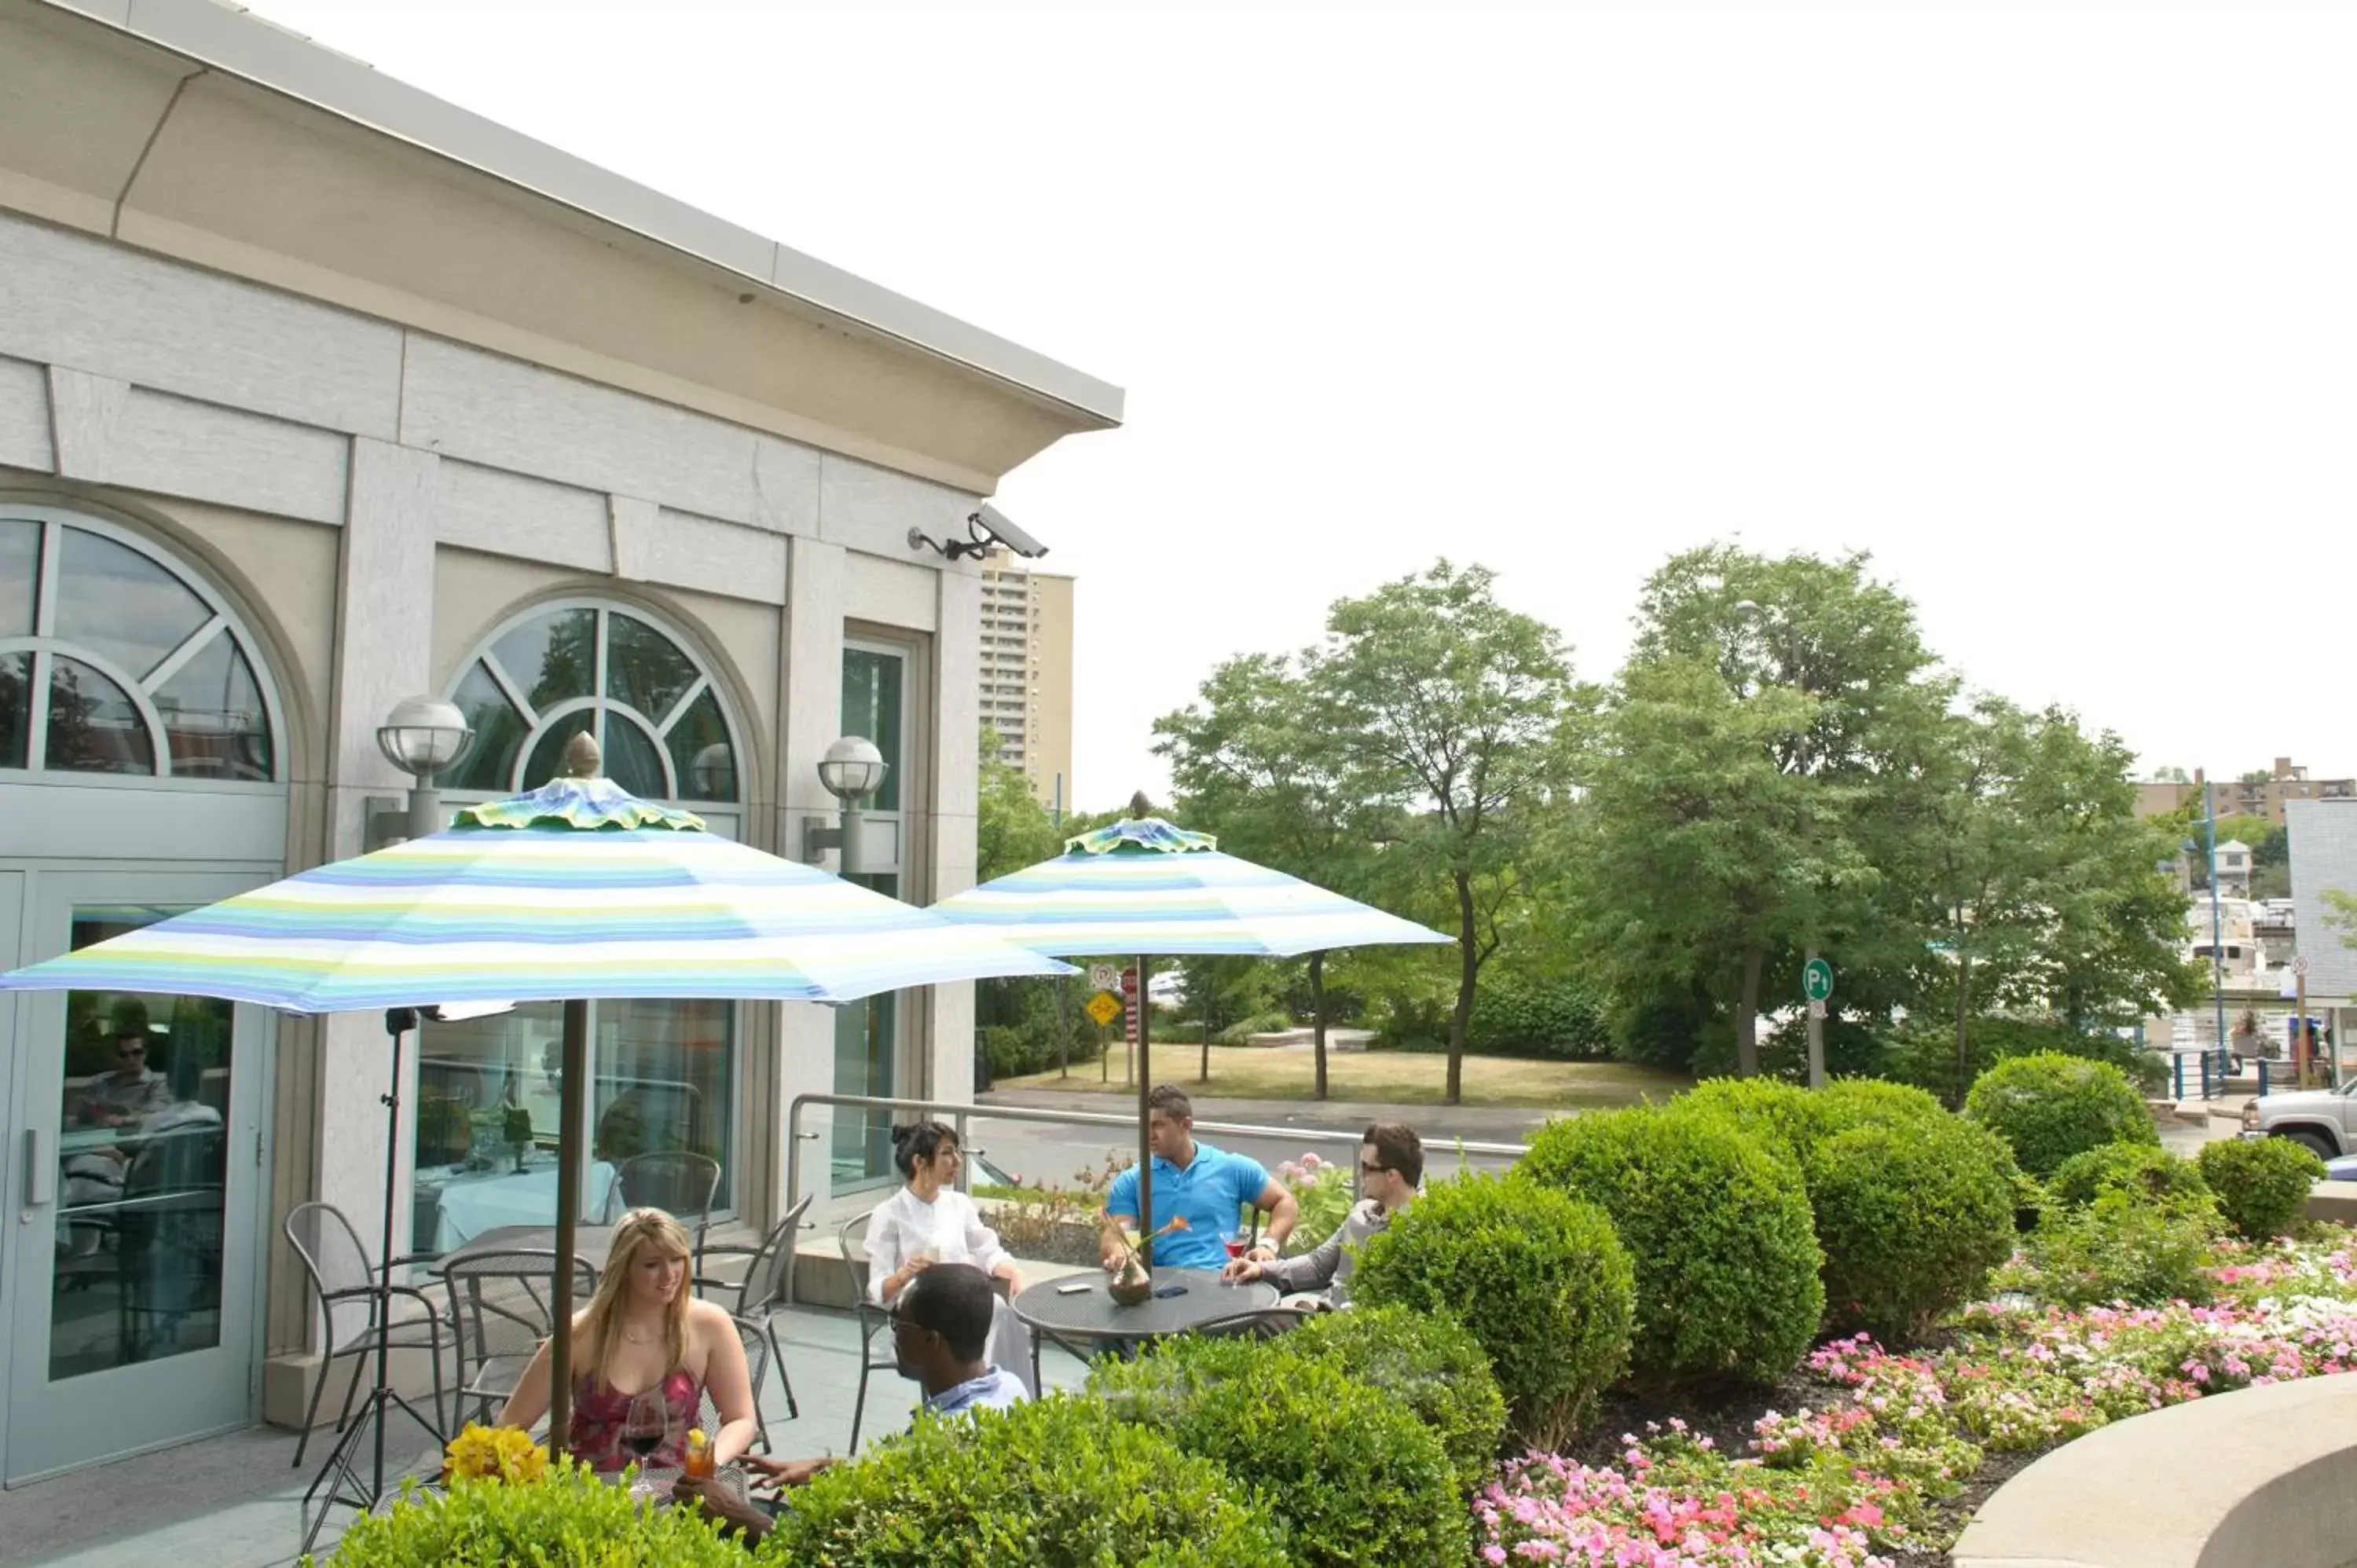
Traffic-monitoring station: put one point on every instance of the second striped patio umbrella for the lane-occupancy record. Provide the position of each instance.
(1145, 887)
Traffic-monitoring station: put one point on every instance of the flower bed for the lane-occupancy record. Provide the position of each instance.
(1876, 1459)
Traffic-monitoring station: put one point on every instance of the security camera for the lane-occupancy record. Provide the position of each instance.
(983, 528)
(1000, 527)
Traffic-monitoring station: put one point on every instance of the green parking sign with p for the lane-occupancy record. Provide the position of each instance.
(1817, 979)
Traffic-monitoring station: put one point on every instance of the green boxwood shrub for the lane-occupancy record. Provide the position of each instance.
(1542, 1282)
(2049, 1107)
(1057, 1482)
(567, 1518)
(1346, 1472)
(1860, 1100)
(2141, 1170)
(1786, 1118)
(1558, 1020)
(2122, 1247)
(1912, 1218)
(2262, 1183)
(1719, 1231)
(1430, 1363)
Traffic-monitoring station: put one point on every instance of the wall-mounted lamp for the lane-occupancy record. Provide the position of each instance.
(425, 738)
(852, 770)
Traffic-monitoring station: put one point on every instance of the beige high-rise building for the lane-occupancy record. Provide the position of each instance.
(1026, 672)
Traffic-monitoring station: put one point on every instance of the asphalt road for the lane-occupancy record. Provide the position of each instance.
(1038, 1152)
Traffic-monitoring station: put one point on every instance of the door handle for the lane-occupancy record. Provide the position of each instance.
(40, 1171)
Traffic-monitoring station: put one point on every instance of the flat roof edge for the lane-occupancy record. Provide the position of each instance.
(241, 43)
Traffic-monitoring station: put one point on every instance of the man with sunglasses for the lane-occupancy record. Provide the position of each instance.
(940, 1333)
(1391, 1167)
(130, 1091)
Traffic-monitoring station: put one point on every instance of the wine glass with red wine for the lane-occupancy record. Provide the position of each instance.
(648, 1424)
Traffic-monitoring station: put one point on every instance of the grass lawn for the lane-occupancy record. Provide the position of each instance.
(1244, 1072)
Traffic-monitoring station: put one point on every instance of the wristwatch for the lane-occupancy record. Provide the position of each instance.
(1262, 1251)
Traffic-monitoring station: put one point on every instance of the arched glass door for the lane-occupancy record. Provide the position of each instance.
(140, 775)
(665, 1071)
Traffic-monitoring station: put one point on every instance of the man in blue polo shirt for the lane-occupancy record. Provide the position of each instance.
(1209, 1186)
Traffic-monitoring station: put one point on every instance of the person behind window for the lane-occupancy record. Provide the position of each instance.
(129, 1091)
(643, 1330)
(1208, 1186)
(929, 1221)
(1390, 1169)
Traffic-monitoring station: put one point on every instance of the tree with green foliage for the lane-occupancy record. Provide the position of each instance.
(1448, 712)
(2042, 883)
(1012, 829)
(1742, 794)
(1252, 764)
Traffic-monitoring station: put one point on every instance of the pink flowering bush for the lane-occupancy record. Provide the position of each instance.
(1323, 1188)
(1845, 1481)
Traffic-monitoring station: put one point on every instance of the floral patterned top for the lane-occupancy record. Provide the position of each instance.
(602, 1413)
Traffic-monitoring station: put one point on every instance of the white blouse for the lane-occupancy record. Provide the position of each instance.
(950, 1227)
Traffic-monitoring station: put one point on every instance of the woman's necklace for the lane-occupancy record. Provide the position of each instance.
(630, 1335)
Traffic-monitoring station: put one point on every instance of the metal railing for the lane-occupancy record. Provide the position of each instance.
(959, 1113)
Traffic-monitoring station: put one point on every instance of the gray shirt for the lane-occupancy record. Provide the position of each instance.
(1327, 1267)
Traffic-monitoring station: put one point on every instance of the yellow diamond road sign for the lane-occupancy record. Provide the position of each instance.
(1104, 1008)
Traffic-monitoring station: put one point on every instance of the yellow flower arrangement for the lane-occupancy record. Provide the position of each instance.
(494, 1454)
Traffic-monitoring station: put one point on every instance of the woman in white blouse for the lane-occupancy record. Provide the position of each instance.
(930, 1221)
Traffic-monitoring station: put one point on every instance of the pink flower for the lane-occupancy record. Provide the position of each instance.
(1310, 1162)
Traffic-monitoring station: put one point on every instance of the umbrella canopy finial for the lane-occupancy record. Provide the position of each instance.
(1140, 808)
(582, 758)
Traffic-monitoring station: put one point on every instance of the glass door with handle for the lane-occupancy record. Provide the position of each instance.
(136, 1188)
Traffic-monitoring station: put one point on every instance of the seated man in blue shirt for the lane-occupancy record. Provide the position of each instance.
(941, 1328)
(1209, 1187)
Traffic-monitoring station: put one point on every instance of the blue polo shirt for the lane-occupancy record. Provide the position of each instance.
(1210, 1193)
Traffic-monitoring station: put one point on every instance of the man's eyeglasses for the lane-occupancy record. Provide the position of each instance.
(1366, 1170)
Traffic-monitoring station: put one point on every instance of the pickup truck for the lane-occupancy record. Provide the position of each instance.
(2323, 1119)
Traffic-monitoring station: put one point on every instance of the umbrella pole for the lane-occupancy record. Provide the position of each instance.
(568, 1215)
(1145, 1132)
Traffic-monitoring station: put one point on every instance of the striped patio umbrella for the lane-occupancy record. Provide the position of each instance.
(575, 892)
(1145, 887)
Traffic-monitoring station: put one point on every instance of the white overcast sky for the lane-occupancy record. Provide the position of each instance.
(2056, 315)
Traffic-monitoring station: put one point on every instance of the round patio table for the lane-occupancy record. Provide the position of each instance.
(1202, 1298)
(591, 1243)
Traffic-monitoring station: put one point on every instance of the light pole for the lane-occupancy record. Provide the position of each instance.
(2217, 922)
(852, 770)
(425, 738)
(1752, 611)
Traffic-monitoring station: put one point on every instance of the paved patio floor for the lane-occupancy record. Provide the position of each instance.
(234, 1502)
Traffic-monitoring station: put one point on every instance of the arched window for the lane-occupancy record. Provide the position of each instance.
(556, 671)
(112, 660)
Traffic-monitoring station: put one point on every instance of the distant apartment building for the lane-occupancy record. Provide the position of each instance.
(1026, 672)
(2257, 797)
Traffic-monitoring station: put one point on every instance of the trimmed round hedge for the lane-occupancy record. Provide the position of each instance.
(1056, 1481)
(567, 1518)
(1542, 1283)
(2261, 1183)
(1346, 1471)
(1913, 1218)
(2049, 1107)
(1720, 1231)
(2141, 1170)
(1430, 1363)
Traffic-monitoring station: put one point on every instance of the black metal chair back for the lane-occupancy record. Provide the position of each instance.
(500, 1307)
